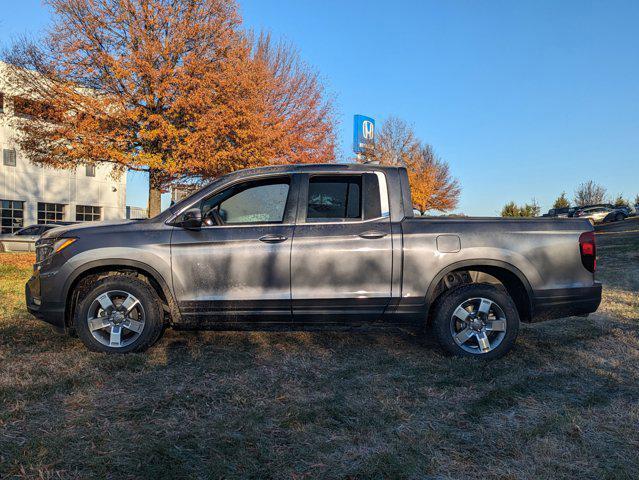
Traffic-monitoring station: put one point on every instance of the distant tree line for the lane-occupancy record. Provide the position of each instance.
(587, 193)
(511, 209)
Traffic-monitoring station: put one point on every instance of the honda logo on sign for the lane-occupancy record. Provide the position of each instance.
(368, 130)
(363, 134)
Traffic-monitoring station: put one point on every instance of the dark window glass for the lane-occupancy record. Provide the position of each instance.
(371, 197)
(29, 231)
(11, 216)
(90, 171)
(9, 157)
(251, 203)
(334, 198)
(87, 213)
(50, 212)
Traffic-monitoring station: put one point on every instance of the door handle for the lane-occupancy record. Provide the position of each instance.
(372, 234)
(273, 238)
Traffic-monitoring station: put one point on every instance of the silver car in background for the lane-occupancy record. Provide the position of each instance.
(601, 214)
(24, 239)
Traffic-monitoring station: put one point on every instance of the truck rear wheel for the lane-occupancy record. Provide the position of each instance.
(120, 314)
(477, 320)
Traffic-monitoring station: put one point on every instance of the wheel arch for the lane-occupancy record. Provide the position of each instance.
(103, 266)
(515, 282)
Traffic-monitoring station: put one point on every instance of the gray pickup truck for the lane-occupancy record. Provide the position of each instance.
(312, 246)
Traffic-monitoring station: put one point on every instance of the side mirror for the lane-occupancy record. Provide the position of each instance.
(191, 219)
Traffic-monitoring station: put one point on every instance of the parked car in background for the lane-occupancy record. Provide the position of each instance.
(601, 214)
(561, 212)
(629, 211)
(24, 239)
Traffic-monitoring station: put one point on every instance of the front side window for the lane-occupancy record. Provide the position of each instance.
(87, 213)
(9, 157)
(50, 212)
(253, 202)
(334, 198)
(11, 216)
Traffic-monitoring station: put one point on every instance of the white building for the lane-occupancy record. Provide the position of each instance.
(30, 194)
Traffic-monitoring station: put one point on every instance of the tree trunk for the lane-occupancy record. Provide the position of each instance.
(155, 196)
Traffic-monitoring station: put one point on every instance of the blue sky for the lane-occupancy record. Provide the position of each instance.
(523, 99)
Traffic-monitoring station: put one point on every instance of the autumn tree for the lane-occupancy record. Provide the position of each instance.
(561, 202)
(621, 202)
(511, 209)
(173, 88)
(432, 186)
(589, 193)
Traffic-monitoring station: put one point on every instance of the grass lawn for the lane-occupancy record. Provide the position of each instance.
(563, 404)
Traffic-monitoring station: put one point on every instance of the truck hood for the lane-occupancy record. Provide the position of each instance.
(91, 228)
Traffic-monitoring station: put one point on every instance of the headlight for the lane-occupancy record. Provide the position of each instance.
(47, 247)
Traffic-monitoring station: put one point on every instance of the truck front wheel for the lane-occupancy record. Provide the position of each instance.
(119, 314)
(476, 320)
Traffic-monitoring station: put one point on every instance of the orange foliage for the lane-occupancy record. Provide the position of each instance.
(173, 88)
(432, 186)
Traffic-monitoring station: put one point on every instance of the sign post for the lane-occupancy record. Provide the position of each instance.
(363, 135)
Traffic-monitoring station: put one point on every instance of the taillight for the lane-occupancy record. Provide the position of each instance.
(588, 249)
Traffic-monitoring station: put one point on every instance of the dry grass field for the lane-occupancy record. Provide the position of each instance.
(563, 404)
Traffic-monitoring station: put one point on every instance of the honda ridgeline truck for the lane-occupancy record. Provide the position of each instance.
(312, 246)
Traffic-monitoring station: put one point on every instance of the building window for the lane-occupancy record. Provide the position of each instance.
(90, 171)
(9, 157)
(50, 212)
(12, 215)
(86, 213)
(1, 102)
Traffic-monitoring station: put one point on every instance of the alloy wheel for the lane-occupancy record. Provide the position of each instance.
(116, 318)
(478, 325)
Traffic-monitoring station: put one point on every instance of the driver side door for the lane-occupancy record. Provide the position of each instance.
(236, 267)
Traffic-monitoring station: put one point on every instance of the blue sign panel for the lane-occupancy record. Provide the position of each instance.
(363, 133)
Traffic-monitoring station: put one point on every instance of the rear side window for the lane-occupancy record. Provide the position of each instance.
(337, 198)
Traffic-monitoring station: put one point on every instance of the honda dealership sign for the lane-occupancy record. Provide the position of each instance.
(363, 133)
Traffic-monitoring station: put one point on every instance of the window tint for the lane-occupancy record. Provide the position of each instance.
(251, 202)
(334, 198)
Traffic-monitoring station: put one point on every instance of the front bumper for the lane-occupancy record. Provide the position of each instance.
(558, 303)
(38, 303)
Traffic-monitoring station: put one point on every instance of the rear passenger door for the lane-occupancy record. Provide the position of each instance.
(341, 259)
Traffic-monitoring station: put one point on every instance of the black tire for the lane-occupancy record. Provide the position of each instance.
(152, 329)
(442, 322)
(619, 217)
